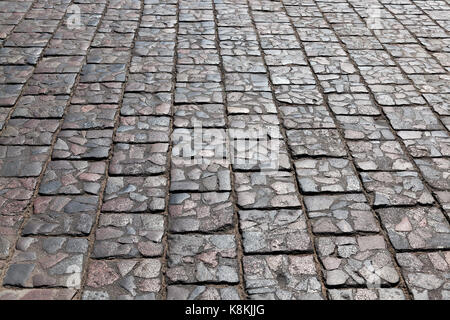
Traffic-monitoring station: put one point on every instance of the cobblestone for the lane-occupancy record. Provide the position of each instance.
(224, 150)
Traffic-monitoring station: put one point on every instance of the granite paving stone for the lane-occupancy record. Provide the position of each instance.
(193, 292)
(326, 174)
(425, 274)
(126, 236)
(396, 188)
(356, 260)
(416, 228)
(202, 258)
(123, 279)
(145, 159)
(340, 214)
(281, 277)
(200, 212)
(274, 231)
(49, 262)
(72, 177)
(224, 149)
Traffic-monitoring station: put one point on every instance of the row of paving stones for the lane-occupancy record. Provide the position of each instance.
(353, 123)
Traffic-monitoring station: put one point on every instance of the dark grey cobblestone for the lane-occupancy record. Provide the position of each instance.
(224, 150)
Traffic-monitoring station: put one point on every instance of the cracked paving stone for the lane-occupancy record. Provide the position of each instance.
(274, 28)
(340, 214)
(436, 172)
(38, 294)
(97, 93)
(108, 26)
(272, 189)
(439, 102)
(72, 177)
(63, 64)
(90, 116)
(396, 95)
(264, 155)
(327, 174)
(371, 58)
(297, 94)
(22, 161)
(135, 194)
(108, 56)
(202, 258)
(360, 260)
(246, 82)
(9, 93)
(329, 65)
(249, 64)
(382, 75)
(143, 129)
(47, 262)
(204, 57)
(361, 43)
(103, 72)
(412, 118)
(204, 212)
(193, 92)
(317, 142)
(146, 104)
(291, 75)
(309, 22)
(306, 117)
(279, 41)
(151, 48)
(15, 194)
(274, 231)
(367, 294)
(149, 82)
(21, 56)
(281, 277)
(186, 292)
(195, 15)
(129, 236)
(50, 83)
(67, 47)
(316, 35)
(123, 279)
(419, 65)
(203, 115)
(145, 159)
(62, 215)
(352, 104)
(360, 128)
(426, 143)
(379, 155)
(249, 126)
(15, 74)
(29, 132)
(28, 39)
(151, 64)
(250, 102)
(396, 188)
(47, 106)
(341, 83)
(391, 36)
(416, 228)
(113, 40)
(425, 274)
(208, 175)
(85, 144)
(323, 49)
(198, 73)
(201, 27)
(284, 57)
(238, 48)
(197, 41)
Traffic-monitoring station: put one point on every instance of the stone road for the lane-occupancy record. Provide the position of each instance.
(97, 200)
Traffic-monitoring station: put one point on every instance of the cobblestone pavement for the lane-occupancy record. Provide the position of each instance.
(97, 97)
